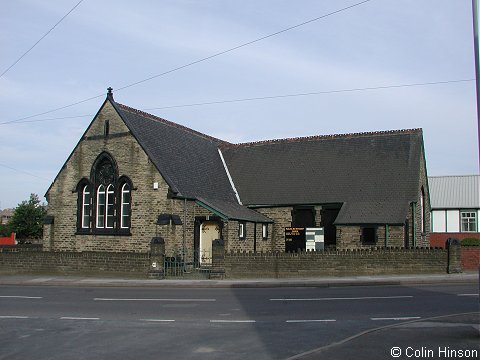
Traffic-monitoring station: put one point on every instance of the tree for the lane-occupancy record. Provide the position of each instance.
(27, 219)
(5, 230)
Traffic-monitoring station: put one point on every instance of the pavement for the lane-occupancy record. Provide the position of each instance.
(439, 337)
(380, 280)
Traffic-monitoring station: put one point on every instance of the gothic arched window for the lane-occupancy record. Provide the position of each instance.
(110, 207)
(100, 207)
(84, 206)
(104, 201)
(125, 206)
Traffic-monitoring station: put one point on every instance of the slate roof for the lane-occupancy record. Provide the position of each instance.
(455, 192)
(374, 175)
(234, 210)
(188, 160)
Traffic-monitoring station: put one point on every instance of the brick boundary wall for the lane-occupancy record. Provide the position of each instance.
(440, 239)
(8, 240)
(341, 263)
(470, 257)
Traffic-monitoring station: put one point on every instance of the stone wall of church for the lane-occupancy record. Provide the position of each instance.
(253, 240)
(131, 160)
(282, 218)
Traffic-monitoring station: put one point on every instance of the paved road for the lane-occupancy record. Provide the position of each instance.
(274, 323)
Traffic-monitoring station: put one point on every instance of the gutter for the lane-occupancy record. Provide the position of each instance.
(209, 208)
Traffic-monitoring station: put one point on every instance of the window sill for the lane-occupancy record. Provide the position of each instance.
(105, 233)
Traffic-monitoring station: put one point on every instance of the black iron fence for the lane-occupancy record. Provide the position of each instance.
(189, 265)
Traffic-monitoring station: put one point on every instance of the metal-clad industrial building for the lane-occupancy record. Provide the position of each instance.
(455, 203)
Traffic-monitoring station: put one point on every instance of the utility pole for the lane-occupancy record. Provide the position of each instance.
(477, 68)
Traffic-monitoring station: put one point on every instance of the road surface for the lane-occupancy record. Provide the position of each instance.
(48, 322)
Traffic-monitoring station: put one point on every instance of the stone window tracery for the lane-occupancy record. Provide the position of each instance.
(104, 200)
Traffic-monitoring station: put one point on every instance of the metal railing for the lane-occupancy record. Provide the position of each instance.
(189, 265)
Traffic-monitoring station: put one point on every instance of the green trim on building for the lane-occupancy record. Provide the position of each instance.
(224, 217)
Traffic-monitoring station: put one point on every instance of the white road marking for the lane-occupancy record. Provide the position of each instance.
(347, 298)
(232, 321)
(78, 318)
(306, 321)
(397, 318)
(20, 297)
(157, 320)
(171, 300)
(467, 294)
(13, 317)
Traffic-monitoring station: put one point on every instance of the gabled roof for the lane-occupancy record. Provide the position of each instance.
(188, 160)
(375, 175)
(455, 192)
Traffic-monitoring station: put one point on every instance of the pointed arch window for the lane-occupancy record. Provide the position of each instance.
(104, 200)
(100, 223)
(110, 207)
(104, 175)
(86, 207)
(125, 206)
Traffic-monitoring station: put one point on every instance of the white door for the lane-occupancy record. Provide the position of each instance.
(209, 231)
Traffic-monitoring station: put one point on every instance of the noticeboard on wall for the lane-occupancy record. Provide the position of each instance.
(294, 239)
(314, 239)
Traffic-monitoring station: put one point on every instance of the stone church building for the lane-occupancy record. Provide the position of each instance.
(134, 176)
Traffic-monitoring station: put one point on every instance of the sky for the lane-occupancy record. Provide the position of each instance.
(380, 43)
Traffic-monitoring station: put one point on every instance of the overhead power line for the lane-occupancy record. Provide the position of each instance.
(44, 36)
(49, 119)
(243, 45)
(23, 172)
(200, 60)
(54, 110)
(271, 97)
(313, 93)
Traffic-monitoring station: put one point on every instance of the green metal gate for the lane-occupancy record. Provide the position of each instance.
(188, 265)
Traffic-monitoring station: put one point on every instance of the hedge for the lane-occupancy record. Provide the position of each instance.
(470, 242)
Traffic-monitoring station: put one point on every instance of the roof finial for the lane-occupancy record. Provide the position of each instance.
(110, 93)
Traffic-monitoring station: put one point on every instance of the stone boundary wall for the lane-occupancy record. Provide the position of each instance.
(340, 263)
(20, 248)
(75, 263)
(29, 259)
